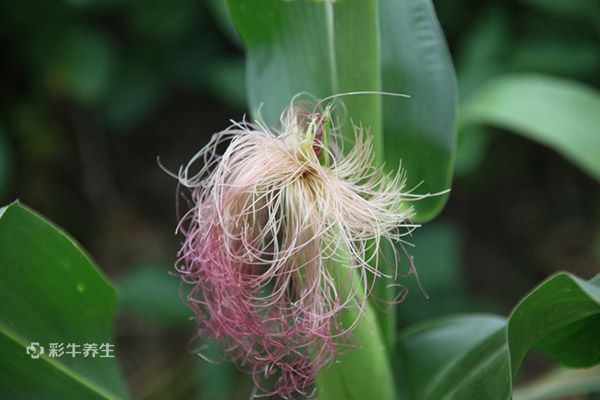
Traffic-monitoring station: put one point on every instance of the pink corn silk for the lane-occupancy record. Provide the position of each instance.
(261, 283)
(286, 341)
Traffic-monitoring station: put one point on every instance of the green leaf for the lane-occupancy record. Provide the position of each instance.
(420, 132)
(319, 47)
(478, 356)
(51, 292)
(560, 114)
(561, 319)
(332, 47)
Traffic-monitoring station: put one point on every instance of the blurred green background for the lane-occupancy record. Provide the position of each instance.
(93, 91)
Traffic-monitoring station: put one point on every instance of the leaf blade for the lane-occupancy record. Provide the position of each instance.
(560, 114)
(338, 54)
(421, 131)
(485, 364)
(51, 292)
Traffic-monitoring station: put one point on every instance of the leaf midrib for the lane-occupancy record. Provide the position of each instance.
(330, 27)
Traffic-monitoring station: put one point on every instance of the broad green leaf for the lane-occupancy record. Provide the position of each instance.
(318, 47)
(51, 292)
(561, 319)
(560, 114)
(420, 132)
(478, 356)
(561, 383)
(352, 45)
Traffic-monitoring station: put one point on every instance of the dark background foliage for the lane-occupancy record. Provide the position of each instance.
(93, 91)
